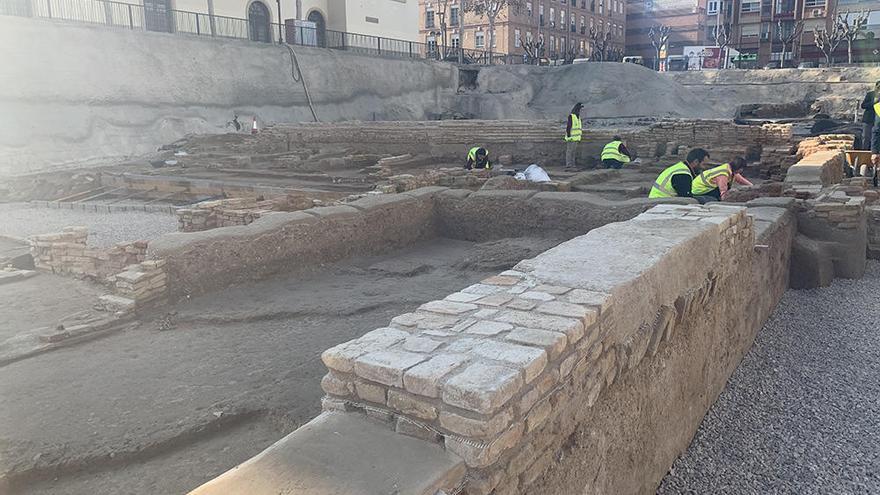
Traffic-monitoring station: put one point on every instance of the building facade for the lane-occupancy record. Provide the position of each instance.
(754, 28)
(562, 25)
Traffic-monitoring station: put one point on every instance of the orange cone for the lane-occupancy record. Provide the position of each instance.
(254, 128)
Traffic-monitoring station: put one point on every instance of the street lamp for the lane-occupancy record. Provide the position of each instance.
(280, 39)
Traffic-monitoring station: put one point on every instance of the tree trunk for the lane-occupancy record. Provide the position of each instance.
(782, 61)
(849, 50)
(491, 37)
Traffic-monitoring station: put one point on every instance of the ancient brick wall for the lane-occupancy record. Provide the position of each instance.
(67, 253)
(504, 371)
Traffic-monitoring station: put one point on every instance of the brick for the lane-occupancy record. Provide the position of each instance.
(336, 386)
(386, 336)
(370, 392)
(600, 300)
(483, 289)
(411, 406)
(448, 307)
(552, 289)
(482, 388)
(488, 328)
(522, 304)
(342, 356)
(552, 342)
(462, 297)
(501, 280)
(436, 321)
(572, 328)
(425, 378)
(538, 296)
(558, 308)
(538, 415)
(386, 367)
(529, 359)
(494, 300)
(488, 427)
(420, 344)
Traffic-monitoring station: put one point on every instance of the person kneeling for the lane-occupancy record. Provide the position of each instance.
(715, 182)
(615, 155)
(478, 158)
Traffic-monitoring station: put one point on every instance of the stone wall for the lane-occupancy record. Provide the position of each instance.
(811, 174)
(67, 253)
(221, 213)
(503, 372)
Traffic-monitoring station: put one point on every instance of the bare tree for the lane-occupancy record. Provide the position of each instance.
(722, 41)
(789, 38)
(615, 54)
(828, 40)
(489, 9)
(852, 28)
(659, 36)
(534, 48)
(600, 43)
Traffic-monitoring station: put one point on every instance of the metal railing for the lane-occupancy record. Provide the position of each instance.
(155, 17)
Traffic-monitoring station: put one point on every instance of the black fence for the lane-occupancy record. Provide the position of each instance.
(154, 15)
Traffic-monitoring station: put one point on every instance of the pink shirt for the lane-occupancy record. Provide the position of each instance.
(722, 183)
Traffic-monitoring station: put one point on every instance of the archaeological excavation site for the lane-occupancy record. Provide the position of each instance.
(232, 269)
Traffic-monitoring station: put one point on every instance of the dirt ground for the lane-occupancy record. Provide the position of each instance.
(150, 411)
(43, 300)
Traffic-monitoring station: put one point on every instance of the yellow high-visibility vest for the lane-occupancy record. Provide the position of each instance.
(703, 184)
(576, 130)
(611, 151)
(472, 154)
(663, 185)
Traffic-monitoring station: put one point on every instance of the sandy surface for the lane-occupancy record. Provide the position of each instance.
(145, 411)
(105, 229)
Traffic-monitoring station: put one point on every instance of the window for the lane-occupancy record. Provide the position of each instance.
(592, 23)
(583, 25)
(516, 41)
(712, 7)
(784, 6)
(766, 8)
(601, 6)
(552, 17)
(750, 30)
(494, 38)
(432, 44)
(456, 41)
(562, 19)
(812, 4)
(453, 15)
(480, 39)
(620, 7)
(573, 23)
(429, 19)
(553, 44)
(541, 15)
(765, 30)
(529, 38)
(529, 9)
(592, 5)
(752, 6)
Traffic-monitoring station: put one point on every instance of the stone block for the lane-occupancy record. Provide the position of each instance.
(482, 388)
(335, 386)
(572, 328)
(488, 328)
(411, 406)
(552, 342)
(483, 289)
(552, 289)
(410, 428)
(462, 297)
(495, 300)
(425, 378)
(487, 427)
(528, 359)
(448, 307)
(420, 344)
(537, 296)
(501, 280)
(600, 300)
(370, 392)
(522, 304)
(539, 413)
(386, 367)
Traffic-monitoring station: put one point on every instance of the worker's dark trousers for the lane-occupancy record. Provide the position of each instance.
(867, 131)
(611, 163)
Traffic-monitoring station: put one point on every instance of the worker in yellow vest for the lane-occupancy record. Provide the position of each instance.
(478, 158)
(614, 154)
(675, 181)
(573, 133)
(716, 181)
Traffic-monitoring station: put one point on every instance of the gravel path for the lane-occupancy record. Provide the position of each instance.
(801, 414)
(105, 229)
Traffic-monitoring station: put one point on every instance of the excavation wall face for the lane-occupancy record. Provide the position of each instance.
(618, 333)
(76, 94)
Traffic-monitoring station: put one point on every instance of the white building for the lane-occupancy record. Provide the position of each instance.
(254, 19)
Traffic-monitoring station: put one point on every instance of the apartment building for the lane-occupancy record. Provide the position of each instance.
(563, 25)
(754, 27)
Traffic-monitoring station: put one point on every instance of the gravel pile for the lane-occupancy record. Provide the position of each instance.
(801, 414)
(105, 229)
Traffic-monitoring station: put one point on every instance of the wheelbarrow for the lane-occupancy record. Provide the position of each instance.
(857, 163)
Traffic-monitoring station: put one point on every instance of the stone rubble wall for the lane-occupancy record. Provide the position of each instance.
(221, 213)
(67, 253)
(825, 142)
(503, 372)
